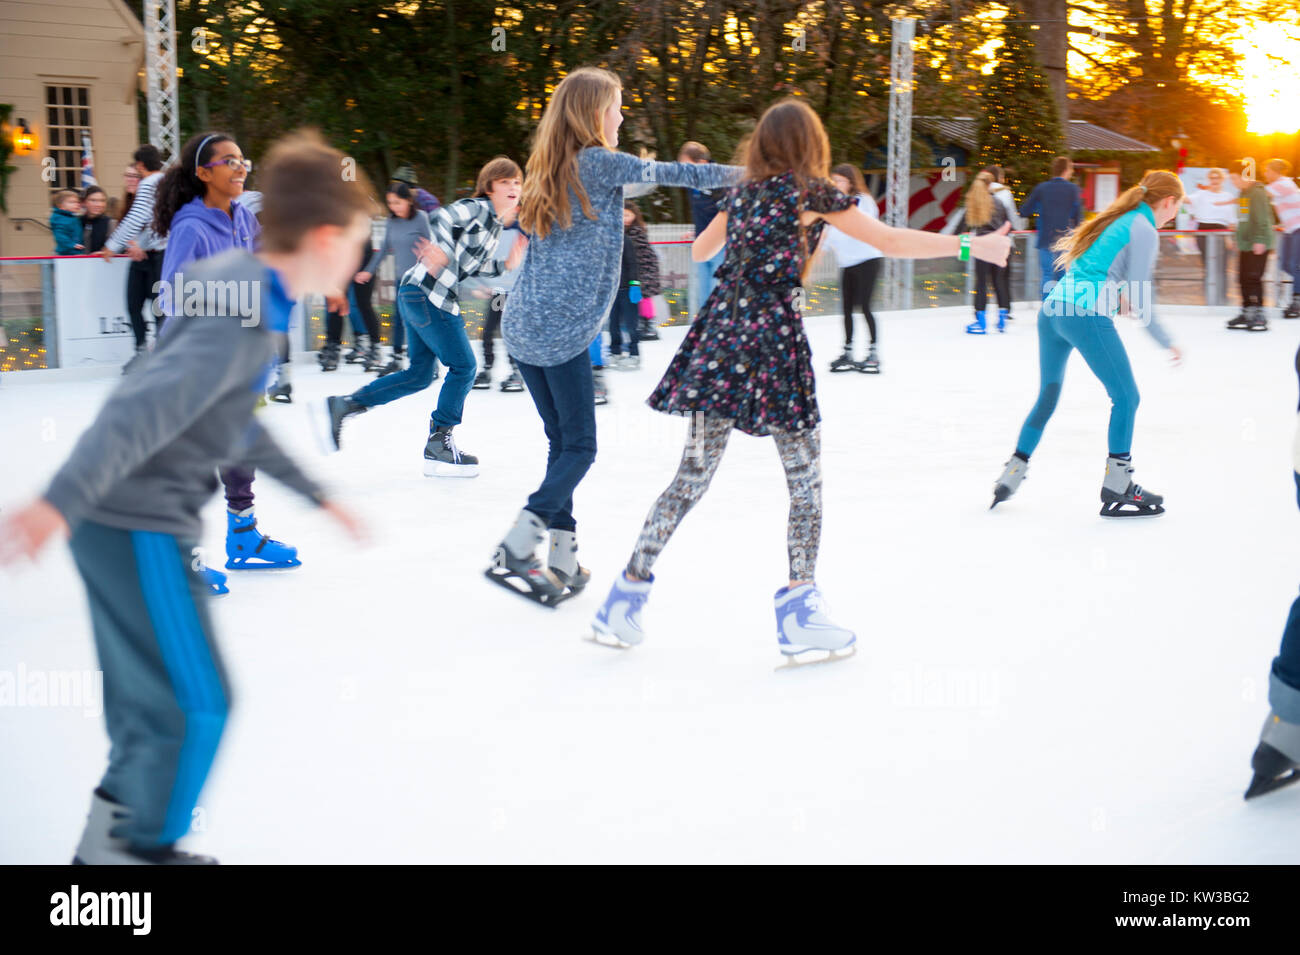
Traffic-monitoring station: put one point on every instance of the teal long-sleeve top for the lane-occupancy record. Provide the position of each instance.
(1120, 260)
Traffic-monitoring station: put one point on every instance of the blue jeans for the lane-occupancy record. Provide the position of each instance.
(1049, 272)
(354, 314)
(435, 335)
(704, 278)
(623, 320)
(1099, 344)
(1289, 259)
(564, 397)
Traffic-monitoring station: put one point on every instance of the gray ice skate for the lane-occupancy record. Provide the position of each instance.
(1010, 480)
(1276, 762)
(1120, 497)
(101, 845)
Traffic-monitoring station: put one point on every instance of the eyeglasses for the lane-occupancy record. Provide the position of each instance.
(232, 162)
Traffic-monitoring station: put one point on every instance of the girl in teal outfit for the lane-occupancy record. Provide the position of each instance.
(1110, 262)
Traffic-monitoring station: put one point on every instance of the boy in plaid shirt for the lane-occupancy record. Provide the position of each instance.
(465, 236)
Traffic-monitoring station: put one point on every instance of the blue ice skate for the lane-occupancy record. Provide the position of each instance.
(802, 624)
(619, 619)
(977, 327)
(214, 581)
(247, 549)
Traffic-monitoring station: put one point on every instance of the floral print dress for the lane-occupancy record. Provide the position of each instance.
(746, 359)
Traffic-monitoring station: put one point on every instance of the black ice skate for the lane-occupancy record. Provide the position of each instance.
(1133, 500)
(1256, 322)
(845, 362)
(871, 364)
(648, 331)
(281, 392)
(373, 360)
(1010, 480)
(328, 417)
(1292, 310)
(360, 348)
(395, 364)
(512, 381)
(598, 386)
(516, 568)
(1241, 320)
(1276, 762)
(328, 357)
(443, 459)
(482, 381)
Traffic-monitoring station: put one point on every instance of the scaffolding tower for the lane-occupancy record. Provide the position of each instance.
(160, 75)
(898, 172)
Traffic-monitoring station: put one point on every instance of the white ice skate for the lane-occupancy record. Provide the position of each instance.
(99, 844)
(619, 619)
(802, 625)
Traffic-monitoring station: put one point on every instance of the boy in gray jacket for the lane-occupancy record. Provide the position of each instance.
(131, 491)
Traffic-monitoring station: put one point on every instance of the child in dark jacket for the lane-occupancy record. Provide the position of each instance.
(131, 492)
(65, 223)
(624, 316)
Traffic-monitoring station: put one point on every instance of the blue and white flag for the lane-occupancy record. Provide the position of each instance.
(87, 162)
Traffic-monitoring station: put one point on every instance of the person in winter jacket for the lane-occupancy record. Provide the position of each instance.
(1058, 204)
(197, 210)
(96, 225)
(65, 223)
(1254, 242)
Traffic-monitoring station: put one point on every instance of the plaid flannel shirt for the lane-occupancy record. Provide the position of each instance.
(467, 231)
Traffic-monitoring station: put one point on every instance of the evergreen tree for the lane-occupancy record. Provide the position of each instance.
(1020, 128)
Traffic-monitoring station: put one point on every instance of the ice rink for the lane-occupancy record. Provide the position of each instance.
(1034, 684)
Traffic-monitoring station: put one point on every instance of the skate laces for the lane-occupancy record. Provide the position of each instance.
(449, 443)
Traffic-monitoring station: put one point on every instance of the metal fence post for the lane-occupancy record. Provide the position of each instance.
(49, 319)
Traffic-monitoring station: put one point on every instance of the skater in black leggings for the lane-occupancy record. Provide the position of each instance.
(365, 324)
(859, 267)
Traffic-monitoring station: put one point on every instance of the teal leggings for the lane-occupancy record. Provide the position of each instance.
(1098, 342)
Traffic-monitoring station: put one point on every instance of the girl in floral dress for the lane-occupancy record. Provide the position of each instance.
(746, 364)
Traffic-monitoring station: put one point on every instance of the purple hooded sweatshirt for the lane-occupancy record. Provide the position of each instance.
(199, 232)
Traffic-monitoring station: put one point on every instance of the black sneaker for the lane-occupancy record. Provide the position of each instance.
(443, 459)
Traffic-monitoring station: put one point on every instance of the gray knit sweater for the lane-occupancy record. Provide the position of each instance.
(569, 279)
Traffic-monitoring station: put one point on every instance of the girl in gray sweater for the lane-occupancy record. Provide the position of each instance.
(559, 303)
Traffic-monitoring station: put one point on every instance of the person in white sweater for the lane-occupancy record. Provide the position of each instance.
(859, 268)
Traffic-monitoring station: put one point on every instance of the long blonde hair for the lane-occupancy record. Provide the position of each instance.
(574, 119)
(1155, 185)
(979, 201)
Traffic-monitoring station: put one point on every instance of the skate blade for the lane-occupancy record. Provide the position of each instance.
(441, 469)
(869, 369)
(506, 579)
(1115, 510)
(1262, 785)
(247, 564)
(792, 661)
(319, 415)
(603, 638)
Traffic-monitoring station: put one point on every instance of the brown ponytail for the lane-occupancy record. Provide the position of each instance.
(1155, 185)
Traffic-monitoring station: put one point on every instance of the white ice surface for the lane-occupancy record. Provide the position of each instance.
(1034, 684)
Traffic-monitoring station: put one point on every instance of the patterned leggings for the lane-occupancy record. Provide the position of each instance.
(800, 456)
